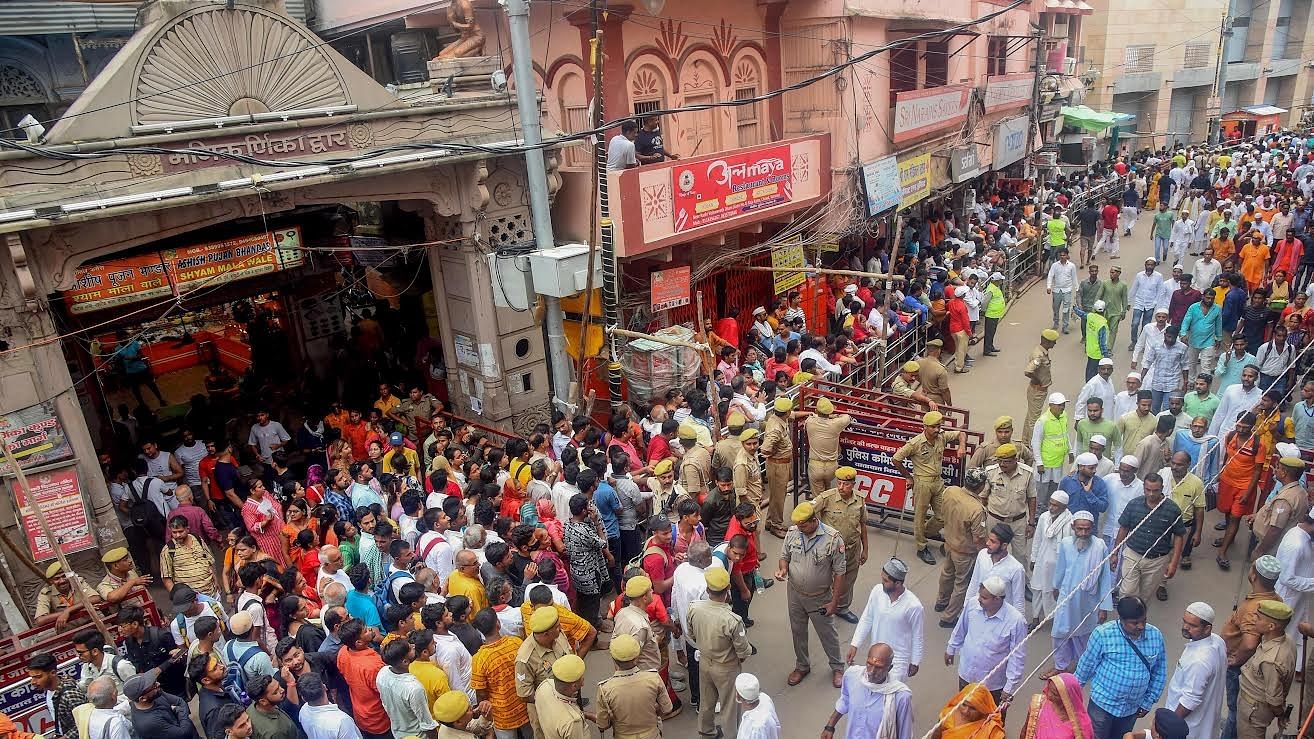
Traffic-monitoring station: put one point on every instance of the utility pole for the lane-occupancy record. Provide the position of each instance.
(522, 68)
(1037, 36)
(1220, 76)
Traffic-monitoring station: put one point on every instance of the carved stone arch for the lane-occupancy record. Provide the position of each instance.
(702, 69)
(748, 69)
(25, 77)
(649, 79)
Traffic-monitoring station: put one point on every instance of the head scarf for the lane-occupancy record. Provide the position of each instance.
(990, 726)
(1069, 722)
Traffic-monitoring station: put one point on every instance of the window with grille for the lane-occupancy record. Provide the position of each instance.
(937, 64)
(804, 54)
(644, 107)
(1198, 55)
(1138, 59)
(747, 123)
(576, 120)
(997, 56)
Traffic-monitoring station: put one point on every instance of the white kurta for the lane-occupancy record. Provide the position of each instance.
(1123, 403)
(1009, 570)
(1296, 582)
(896, 623)
(688, 584)
(1232, 403)
(1044, 556)
(760, 722)
(1095, 387)
(1119, 496)
(1197, 683)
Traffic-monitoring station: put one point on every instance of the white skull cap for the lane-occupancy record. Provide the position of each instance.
(1099, 439)
(994, 585)
(1130, 460)
(1086, 459)
(1060, 496)
(1057, 399)
(1202, 611)
(747, 686)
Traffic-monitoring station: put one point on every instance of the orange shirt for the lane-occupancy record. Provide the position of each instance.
(1223, 248)
(1242, 456)
(493, 670)
(360, 669)
(358, 436)
(574, 627)
(1254, 260)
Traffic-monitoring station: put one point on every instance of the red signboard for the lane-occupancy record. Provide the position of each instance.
(670, 288)
(60, 498)
(736, 184)
(178, 271)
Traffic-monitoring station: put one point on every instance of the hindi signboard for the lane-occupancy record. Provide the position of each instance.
(35, 437)
(787, 256)
(914, 179)
(880, 180)
(736, 184)
(60, 497)
(670, 288)
(1009, 91)
(880, 482)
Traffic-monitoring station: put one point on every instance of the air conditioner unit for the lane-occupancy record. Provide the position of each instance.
(1045, 158)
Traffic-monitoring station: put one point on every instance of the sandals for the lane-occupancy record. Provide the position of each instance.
(1223, 564)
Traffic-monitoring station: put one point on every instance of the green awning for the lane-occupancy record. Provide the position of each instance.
(1090, 120)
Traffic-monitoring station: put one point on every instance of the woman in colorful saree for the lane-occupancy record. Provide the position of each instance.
(1059, 712)
(971, 714)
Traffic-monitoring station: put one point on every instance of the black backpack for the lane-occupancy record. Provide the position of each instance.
(143, 513)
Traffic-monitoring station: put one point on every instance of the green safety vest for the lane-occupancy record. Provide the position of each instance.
(1054, 440)
(997, 305)
(1094, 322)
(1057, 231)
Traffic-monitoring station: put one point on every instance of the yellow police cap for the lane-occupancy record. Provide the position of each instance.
(735, 419)
(717, 578)
(935, 342)
(1006, 451)
(1049, 334)
(747, 434)
(933, 418)
(912, 365)
(784, 405)
(1295, 463)
(451, 706)
(568, 669)
(802, 512)
(688, 432)
(542, 620)
(637, 587)
(847, 474)
(624, 648)
(1275, 609)
(114, 555)
(662, 467)
(825, 407)
(1003, 421)
(53, 569)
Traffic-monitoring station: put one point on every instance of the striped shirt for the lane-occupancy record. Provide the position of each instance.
(189, 563)
(493, 670)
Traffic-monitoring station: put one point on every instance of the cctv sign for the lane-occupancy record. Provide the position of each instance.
(880, 482)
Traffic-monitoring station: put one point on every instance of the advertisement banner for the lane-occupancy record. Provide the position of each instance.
(60, 497)
(670, 288)
(914, 179)
(964, 164)
(178, 271)
(713, 191)
(25, 703)
(919, 112)
(35, 437)
(880, 180)
(787, 256)
(1010, 141)
(1009, 91)
(879, 482)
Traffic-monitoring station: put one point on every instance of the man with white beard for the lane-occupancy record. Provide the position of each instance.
(878, 705)
(893, 616)
(1195, 691)
(1083, 586)
(1124, 485)
(1054, 526)
(1125, 401)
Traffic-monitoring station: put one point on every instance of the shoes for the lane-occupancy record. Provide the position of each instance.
(797, 676)
(748, 622)
(848, 616)
(1161, 593)
(1186, 563)
(925, 555)
(776, 532)
(837, 678)
(939, 607)
(1221, 526)
(767, 582)
(948, 623)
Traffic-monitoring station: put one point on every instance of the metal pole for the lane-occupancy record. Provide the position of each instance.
(1037, 37)
(522, 67)
(1220, 76)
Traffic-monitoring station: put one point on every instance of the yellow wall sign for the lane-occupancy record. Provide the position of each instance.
(914, 179)
(787, 256)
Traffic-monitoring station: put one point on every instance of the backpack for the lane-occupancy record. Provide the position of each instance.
(143, 513)
(724, 557)
(382, 594)
(234, 682)
(637, 562)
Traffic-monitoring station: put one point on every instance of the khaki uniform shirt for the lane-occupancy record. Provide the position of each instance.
(726, 452)
(1266, 677)
(718, 632)
(560, 717)
(695, 470)
(964, 521)
(1038, 367)
(926, 457)
(49, 600)
(984, 456)
(1243, 620)
(110, 583)
(1007, 495)
(635, 622)
(748, 478)
(813, 563)
(849, 518)
(777, 446)
(935, 380)
(631, 703)
(824, 434)
(903, 388)
(534, 663)
(1286, 508)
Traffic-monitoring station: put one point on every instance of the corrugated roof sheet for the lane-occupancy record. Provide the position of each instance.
(37, 17)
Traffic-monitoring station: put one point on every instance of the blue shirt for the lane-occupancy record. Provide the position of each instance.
(1096, 500)
(1234, 304)
(361, 605)
(1119, 681)
(346, 512)
(130, 355)
(609, 507)
(912, 304)
(1202, 329)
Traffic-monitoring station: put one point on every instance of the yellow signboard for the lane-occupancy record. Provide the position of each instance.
(914, 179)
(787, 256)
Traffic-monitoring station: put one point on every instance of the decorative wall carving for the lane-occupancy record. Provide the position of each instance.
(18, 86)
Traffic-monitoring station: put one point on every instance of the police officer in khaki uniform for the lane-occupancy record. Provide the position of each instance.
(695, 472)
(926, 452)
(823, 430)
(545, 645)
(933, 376)
(778, 449)
(845, 512)
(56, 600)
(747, 470)
(1266, 677)
(906, 384)
(812, 563)
(558, 701)
(722, 648)
(964, 537)
(631, 701)
(984, 456)
(727, 449)
(1285, 510)
(1037, 371)
(633, 620)
(1010, 500)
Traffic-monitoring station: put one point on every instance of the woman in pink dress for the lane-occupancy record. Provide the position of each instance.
(263, 517)
(1058, 712)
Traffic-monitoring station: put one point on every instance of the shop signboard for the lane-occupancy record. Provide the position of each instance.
(1009, 91)
(880, 179)
(1010, 141)
(35, 437)
(176, 272)
(914, 179)
(733, 185)
(964, 164)
(919, 112)
(882, 484)
(60, 497)
(670, 288)
(25, 703)
(787, 256)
